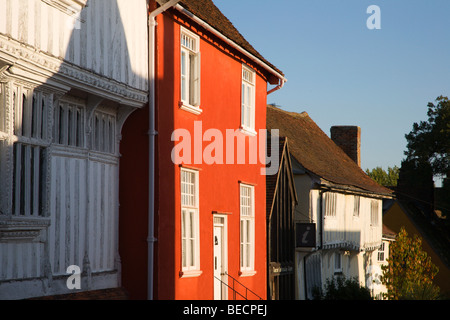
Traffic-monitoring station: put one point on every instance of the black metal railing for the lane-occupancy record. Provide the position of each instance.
(234, 289)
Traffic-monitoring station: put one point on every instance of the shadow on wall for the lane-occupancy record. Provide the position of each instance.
(341, 259)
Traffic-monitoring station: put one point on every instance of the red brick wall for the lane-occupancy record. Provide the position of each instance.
(348, 138)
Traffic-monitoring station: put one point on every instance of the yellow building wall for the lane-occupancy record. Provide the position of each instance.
(394, 219)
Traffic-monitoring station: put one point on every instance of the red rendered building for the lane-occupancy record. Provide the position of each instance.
(209, 215)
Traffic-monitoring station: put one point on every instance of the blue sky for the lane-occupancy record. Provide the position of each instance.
(342, 73)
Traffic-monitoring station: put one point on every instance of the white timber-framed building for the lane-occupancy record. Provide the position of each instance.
(71, 72)
(339, 212)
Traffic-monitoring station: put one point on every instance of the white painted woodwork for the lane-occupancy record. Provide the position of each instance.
(342, 231)
(47, 48)
(20, 260)
(78, 224)
(108, 37)
(83, 210)
(348, 231)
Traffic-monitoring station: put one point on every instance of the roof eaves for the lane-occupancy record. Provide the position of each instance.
(354, 189)
(318, 155)
(256, 57)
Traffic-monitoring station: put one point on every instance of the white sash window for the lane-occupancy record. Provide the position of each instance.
(190, 235)
(248, 100)
(247, 228)
(190, 71)
(381, 251)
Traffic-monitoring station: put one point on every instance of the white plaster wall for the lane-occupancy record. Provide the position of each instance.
(109, 38)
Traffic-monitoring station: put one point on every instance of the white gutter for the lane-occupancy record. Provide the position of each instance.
(282, 79)
(152, 133)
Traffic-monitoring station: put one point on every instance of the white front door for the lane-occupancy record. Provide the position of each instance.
(219, 263)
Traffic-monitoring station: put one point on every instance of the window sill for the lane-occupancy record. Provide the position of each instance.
(247, 273)
(22, 228)
(248, 131)
(190, 273)
(70, 7)
(190, 108)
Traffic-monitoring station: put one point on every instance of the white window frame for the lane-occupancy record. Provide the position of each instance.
(69, 124)
(31, 110)
(338, 262)
(190, 63)
(190, 232)
(104, 132)
(248, 95)
(330, 205)
(247, 230)
(381, 254)
(374, 213)
(356, 206)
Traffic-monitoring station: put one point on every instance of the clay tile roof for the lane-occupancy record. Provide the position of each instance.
(388, 233)
(208, 12)
(318, 154)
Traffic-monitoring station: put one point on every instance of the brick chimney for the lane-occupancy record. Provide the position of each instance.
(348, 138)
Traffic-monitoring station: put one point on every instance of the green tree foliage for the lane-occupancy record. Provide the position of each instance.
(340, 288)
(388, 179)
(426, 291)
(429, 141)
(409, 273)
